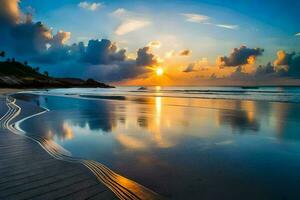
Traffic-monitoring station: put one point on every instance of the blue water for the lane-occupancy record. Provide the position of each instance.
(279, 94)
(182, 142)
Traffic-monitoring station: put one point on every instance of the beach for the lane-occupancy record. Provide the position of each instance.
(29, 172)
(217, 148)
(89, 178)
(149, 100)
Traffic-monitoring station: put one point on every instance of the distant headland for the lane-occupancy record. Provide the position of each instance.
(14, 74)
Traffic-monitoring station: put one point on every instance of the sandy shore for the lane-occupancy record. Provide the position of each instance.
(23, 163)
(120, 186)
(4, 91)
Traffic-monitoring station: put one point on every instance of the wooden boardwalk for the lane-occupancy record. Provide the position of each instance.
(29, 172)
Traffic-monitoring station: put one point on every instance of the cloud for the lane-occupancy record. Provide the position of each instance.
(120, 12)
(130, 21)
(89, 5)
(190, 68)
(145, 57)
(227, 26)
(155, 44)
(29, 38)
(286, 65)
(289, 60)
(35, 42)
(238, 73)
(185, 52)
(60, 38)
(263, 71)
(195, 18)
(203, 19)
(9, 11)
(20, 35)
(200, 65)
(297, 34)
(170, 54)
(131, 25)
(125, 69)
(102, 52)
(284, 58)
(240, 56)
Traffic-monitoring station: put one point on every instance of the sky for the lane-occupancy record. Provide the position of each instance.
(127, 42)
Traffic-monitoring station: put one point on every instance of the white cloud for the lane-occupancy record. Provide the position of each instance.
(155, 44)
(196, 18)
(170, 54)
(120, 12)
(228, 26)
(297, 34)
(203, 19)
(89, 5)
(130, 26)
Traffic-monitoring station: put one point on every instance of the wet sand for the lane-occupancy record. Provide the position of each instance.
(115, 185)
(28, 172)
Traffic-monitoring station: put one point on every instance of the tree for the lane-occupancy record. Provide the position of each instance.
(37, 69)
(2, 54)
(25, 63)
(13, 60)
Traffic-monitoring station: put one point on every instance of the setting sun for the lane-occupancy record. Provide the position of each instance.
(159, 71)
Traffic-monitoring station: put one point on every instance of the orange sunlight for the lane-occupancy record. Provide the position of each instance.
(159, 71)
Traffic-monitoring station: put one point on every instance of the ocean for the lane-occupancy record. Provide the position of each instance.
(181, 142)
(275, 94)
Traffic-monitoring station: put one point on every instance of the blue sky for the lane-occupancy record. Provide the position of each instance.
(260, 23)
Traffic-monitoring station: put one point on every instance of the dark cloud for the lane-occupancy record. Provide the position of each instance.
(240, 56)
(189, 68)
(102, 52)
(238, 73)
(289, 60)
(130, 68)
(18, 34)
(145, 57)
(30, 38)
(185, 52)
(35, 42)
(285, 65)
(268, 70)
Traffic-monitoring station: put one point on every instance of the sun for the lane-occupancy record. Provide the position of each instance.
(159, 71)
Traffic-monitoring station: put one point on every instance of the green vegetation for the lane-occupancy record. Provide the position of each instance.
(11, 67)
(18, 69)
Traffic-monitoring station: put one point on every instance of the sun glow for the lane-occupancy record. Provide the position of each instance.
(159, 71)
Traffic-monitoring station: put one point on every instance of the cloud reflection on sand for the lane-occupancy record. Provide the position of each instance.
(160, 116)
